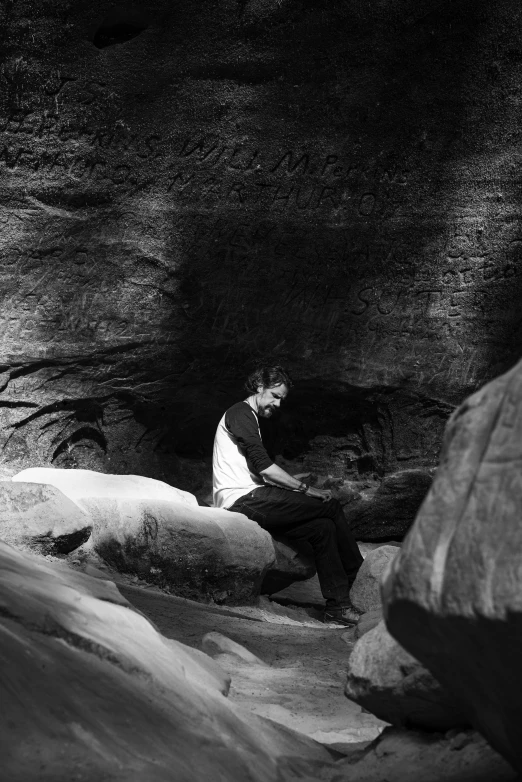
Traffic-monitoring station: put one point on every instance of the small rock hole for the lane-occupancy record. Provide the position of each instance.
(119, 26)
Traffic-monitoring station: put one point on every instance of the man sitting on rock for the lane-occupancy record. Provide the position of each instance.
(246, 480)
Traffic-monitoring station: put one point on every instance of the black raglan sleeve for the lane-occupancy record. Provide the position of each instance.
(242, 424)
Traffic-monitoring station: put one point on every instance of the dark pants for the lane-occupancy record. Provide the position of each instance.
(321, 524)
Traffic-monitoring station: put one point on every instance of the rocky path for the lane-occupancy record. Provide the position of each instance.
(300, 677)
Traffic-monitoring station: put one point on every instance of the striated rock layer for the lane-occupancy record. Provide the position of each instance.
(189, 187)
(453, 596)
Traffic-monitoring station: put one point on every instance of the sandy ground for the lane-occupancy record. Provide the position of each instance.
(301, 681)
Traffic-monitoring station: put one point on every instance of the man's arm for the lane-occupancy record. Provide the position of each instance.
(241, 422)
(279, 476)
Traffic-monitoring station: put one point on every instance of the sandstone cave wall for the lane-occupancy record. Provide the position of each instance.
(190, 187)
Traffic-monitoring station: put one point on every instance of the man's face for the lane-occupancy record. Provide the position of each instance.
(269, 399)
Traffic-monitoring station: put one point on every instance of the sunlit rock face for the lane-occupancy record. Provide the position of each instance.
(189, 188)
(452, 596)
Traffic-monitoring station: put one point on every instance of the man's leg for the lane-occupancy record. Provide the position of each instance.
(322, 524)
(348, 549)
(321, 535)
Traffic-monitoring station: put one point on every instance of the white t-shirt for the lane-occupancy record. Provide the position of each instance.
(239, 455)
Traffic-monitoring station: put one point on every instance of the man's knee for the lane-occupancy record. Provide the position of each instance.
(332, 508)
(324, 530)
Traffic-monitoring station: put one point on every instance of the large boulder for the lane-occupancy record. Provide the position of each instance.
(454, 593)
(198, 553)
(39, 517)
(383, 678)
(365, 593)
(389, 511)
(89, 689)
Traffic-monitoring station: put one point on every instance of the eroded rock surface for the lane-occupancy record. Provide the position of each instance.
(189, 188)
(388, 511)
(39, 517)
(453, 596)
(82, 670)
(385, 679)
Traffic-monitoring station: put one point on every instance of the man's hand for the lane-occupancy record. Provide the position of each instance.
(322, 494)
(276, 475)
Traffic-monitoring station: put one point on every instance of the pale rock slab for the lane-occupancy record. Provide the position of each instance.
(39, 517)
(83, 485)
(385, 679)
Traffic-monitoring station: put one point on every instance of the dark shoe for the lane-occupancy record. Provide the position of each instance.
(344, 615)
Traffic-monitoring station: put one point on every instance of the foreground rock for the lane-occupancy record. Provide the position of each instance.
(83, 671)
(390, 511)
(454, 595)
(148, 528)
(383, 678)
(411, 756)
(365, 593)
(39, 517)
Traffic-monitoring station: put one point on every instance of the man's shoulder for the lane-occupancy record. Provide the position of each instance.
(241, 410)
(240, 414)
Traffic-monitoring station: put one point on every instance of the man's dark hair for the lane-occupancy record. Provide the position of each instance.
(268, 377)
